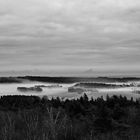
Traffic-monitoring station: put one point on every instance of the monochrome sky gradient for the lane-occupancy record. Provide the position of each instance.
(67, 36)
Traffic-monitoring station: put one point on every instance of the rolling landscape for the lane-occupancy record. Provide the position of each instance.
(51, 108)
(69, 108)
(70, 87)
(69, 70)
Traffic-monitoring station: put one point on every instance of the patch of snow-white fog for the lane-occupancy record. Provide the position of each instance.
(62, 91)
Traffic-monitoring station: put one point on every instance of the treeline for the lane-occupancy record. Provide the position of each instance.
(102, 85)
(10, 80)
(66, 79)
(57, 79)
(78, 79)
(34, 118)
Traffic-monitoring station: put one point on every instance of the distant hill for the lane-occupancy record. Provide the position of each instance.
(65, 79)
(78, 79)
(10, 80)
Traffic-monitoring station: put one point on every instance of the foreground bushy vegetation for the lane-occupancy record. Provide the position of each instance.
(32, 118)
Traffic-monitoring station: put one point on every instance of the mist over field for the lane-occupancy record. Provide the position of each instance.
(71, 87)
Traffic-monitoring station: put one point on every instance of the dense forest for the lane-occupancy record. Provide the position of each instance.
(78, 79)
(21, 79)
(34, 118)
(102, 85)
(10, 80)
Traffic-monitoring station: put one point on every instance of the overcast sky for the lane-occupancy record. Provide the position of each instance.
(67, 36)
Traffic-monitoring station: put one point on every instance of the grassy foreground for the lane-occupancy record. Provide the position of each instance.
(32, 118)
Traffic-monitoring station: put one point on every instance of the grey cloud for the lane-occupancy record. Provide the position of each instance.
(57, 34)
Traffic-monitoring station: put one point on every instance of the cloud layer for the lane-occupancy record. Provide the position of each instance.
(70, 35)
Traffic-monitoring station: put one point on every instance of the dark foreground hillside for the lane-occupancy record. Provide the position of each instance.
(32, 118)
